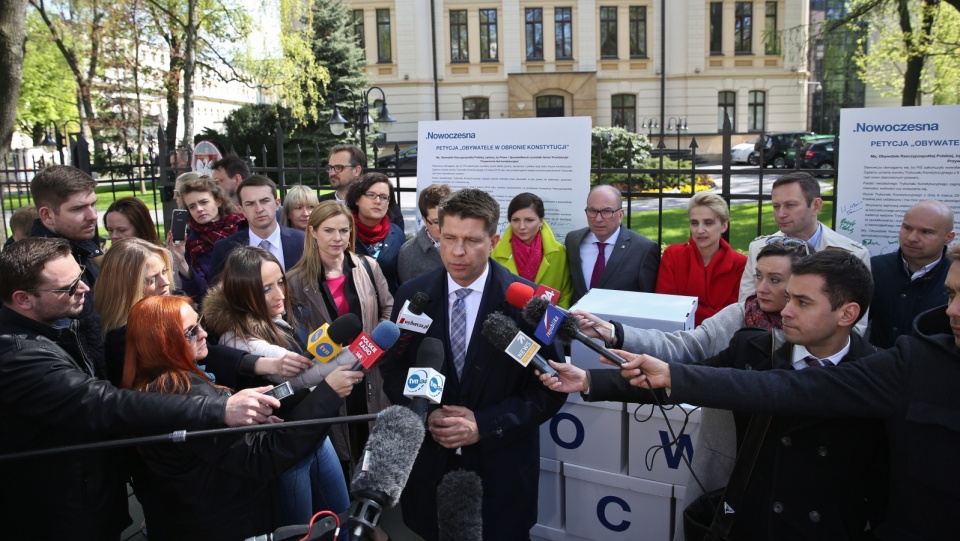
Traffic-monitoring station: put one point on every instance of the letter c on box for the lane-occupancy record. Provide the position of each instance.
(577, 440)
(601, 516)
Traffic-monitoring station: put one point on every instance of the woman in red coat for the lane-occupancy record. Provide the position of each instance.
(705, 266)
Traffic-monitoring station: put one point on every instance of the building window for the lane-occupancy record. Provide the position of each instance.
(459, 50)
(638, 32)
(743, 28)
(756, 111)
(384, 49)
(563, 27)
(488, 34)
(474, 108)
(549, 106)
(771, 37)
(357, 25)
(534, 25)
(623, 111)
(608, 32)
(716, 28)
(727, 106)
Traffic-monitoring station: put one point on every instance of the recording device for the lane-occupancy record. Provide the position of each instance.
(178, 224)
(280, 391)
(503, 333)
(424, 381)
(411, 316)
(459, 506)
(553, 322)
(327, 341)
(368, 348)
(384, 467)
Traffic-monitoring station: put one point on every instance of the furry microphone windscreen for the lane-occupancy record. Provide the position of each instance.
(419, 301)
(389, 455)
(534, 309)
(499, 330)
(459, 507)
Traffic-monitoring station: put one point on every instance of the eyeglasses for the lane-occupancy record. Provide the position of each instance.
(374, 196)
(605, 213)
(790, 242)
(337, 168)
(72, 290)
(191, 333)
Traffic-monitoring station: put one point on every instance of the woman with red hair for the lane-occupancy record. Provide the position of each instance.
(212, 488)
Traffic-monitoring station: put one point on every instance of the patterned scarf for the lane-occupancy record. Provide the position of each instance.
(210, 233)
(371, 235)
(753, 316)
(527, 258)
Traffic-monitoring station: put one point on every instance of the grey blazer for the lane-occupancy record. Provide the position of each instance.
(632, 266)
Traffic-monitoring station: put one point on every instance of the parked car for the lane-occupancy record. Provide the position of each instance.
(819, 155)
(407, 159)
(775, 146)
(804, 141)
(744, 152)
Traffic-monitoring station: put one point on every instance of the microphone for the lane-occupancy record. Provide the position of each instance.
(424, 381)
(459, 505)
(503, 333)
(368, 348)
(411, 322)
(384, 467)
(327, 341)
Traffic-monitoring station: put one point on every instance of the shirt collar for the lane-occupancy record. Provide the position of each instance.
(922, 271)
(274, 237)
(800, 353)
(476, 286)
(591, 238)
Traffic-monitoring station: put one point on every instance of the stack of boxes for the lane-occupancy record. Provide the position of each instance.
(594, 477)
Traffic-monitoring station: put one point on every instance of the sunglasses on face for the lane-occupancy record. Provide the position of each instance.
(191, 333)
(71, 290)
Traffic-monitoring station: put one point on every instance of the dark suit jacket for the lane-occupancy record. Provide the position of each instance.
(509, 403)
(632, 266)
(290, 239)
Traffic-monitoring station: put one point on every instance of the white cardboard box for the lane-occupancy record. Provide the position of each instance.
(590, 434)
(543, 533)
(642, 310)
(609, 506)
(667, 463)
(550, 499)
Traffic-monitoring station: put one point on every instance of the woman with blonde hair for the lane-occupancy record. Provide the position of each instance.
(297, 206)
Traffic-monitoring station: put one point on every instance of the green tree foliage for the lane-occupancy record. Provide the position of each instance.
(49, 91)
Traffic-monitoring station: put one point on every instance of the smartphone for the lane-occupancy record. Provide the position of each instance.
(280, 391)
(178, 224)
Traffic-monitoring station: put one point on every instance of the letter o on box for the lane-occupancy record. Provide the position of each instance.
(577, 425)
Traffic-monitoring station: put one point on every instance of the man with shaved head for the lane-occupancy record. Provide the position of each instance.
(910, 280)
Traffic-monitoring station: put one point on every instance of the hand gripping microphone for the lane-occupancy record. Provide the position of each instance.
(368, 348)
(384, 468)
(327, 341)
(424, 381)
(552, 321)
(503, 333)
(459, 506)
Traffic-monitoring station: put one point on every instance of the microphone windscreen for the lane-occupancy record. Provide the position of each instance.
(430, 354)
(459, 507)
(518, 294)
(499, 330)
(533, 311)
(345, 329)
(389, 454)
(385, 335)
(568, 331)
(419, 301)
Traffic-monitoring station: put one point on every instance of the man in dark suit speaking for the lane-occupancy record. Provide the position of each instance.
(628, 260)
(492, 405)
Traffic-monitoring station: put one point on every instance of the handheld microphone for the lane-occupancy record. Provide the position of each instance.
(368, 348)
(327, 341)
(424, 381)
(459, 506)
(552, 321)
(385, 466)
(412, 322)
(503, 333)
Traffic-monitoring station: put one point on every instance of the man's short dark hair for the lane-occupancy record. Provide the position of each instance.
(22, 262)
(357, 157)
(362, 184)
(431, 196)
(22, 220)
(808, 185)
(234, 165)
(53, 185)
(256, 180)
(846, 278)
(471, 203)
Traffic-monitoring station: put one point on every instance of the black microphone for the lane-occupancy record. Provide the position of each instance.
(384, 467)
(411, 322)
(503, 334)
(568, 330)
(459, 506)
(425, 381)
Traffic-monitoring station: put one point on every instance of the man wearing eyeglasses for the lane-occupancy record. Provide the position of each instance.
(606, 254)
(344, 166)
(50, 397)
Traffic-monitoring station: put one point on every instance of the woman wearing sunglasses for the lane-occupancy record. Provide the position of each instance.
(370, 199)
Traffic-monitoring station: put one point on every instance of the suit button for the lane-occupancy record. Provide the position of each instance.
(786, 441)
(822, 451)
(747, 367)
(814, 516)
(777, 507)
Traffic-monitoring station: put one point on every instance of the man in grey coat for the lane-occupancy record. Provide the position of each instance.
(421, 254)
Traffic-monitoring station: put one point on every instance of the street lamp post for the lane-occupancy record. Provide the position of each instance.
(677, 124)
(363, 120)
(650, 124)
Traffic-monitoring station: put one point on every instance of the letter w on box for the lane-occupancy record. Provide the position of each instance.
(522, 348)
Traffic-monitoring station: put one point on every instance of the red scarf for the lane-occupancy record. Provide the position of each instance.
(753, 316)
(527, 258)
(370, 235)
(210, 233)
